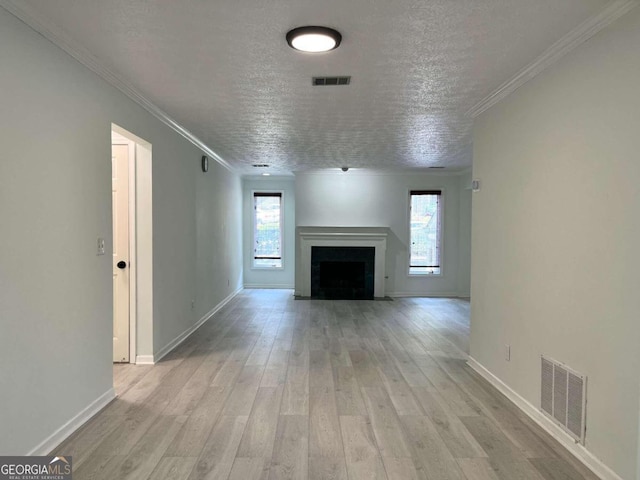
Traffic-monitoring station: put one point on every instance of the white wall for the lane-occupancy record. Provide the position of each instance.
(55, 200)
(464, 235)
(556, 233)
(260, 277)
(356, 199)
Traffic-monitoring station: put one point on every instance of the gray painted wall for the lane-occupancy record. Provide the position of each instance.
(55, 200)
(556, 233)
(464, 235)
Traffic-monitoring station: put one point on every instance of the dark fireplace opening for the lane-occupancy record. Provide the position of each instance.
(342, 273)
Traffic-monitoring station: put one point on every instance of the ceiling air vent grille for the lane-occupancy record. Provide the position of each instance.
(325, 81)
(564, 397)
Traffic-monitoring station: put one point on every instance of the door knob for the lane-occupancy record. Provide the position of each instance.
(121, 265)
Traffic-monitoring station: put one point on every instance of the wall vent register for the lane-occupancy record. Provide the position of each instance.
(326, 81)
(564, 397)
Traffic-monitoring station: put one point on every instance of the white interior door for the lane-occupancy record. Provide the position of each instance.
(120, 199)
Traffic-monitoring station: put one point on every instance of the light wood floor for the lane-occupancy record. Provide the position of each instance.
(274, 388)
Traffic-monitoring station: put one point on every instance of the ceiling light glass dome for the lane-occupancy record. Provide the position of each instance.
(314, 39)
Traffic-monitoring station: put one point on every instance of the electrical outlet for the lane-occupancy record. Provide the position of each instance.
(507, 353)
(100, 246)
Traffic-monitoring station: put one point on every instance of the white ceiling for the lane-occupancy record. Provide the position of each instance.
(222, 69)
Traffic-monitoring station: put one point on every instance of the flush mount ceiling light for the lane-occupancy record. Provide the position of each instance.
(314, 39)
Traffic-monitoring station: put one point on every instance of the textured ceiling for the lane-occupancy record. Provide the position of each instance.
(223, 70)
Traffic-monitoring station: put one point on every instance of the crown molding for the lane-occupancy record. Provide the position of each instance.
(61, 39)
(273, 177)
(613, 11)
(384, 172)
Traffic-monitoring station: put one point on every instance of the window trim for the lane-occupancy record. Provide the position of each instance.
(441, 222)
(266, 193)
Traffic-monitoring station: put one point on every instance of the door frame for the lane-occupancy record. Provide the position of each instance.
(140, 241)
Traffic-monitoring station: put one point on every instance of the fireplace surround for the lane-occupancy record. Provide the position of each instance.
(358, 238)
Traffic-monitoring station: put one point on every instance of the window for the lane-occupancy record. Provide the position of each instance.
(425, 213)
(267, 229)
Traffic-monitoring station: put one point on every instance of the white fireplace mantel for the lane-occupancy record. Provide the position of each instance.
(343, 237)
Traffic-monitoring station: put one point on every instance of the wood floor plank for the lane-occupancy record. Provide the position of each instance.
(275, 374)
(146, 454)
(492, 440)
(259, 434)
(455, 435)
(477, 469)
(429, 452)
(173, 468)
(260, 353)
(191, 439)
(295, 399)
(385, 423)
(250, 469)
(100, 467)
(325, 439)
(360, 449)
(460, 403)
(290, 460)
(122, 439)
(348, 396)
(194, 389)
(217, 457)
(365, 369)
(320, 371)
(400, 393)
(138, 394)
(400, 468)
(508, 469)
(244, 391)
(555, 469)
(83, 443)
(127, 375)
(327, 468)
(339, 353)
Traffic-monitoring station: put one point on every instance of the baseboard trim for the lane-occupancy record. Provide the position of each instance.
(418, 295)
(184, 335)
(62, 433)
(267, 286)
(580, 452)
(144, 360)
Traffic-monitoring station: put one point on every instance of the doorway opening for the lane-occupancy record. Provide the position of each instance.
(132, 245)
